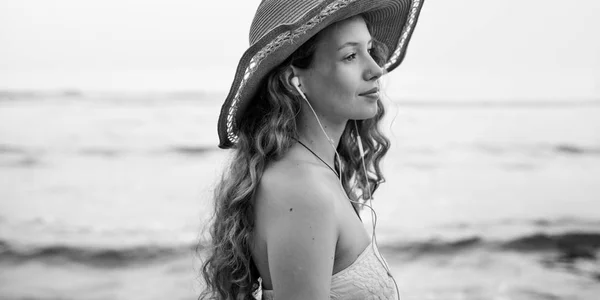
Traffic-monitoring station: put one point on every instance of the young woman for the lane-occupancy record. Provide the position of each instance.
(302, 117)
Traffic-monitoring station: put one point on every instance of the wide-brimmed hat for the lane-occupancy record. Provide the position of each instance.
(280, 27)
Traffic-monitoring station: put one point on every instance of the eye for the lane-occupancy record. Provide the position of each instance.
(350, 57)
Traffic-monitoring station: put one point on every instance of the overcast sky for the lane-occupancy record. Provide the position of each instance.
(462, 49)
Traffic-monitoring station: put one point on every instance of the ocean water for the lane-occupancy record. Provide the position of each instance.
(103, 196)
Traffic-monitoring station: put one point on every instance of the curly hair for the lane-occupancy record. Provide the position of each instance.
(265, 134)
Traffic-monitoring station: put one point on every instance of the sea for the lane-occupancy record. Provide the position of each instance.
(105, 195)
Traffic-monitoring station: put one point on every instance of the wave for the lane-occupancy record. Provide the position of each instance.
(19, 151)
(187, 150)
(191, 150)
(569, 247)
(562, 148)
(108, 96)
(97, 257)
(576, 150)
(566, 221)
(102, 152)
(9, 149)
(19, 156)
(436, 246)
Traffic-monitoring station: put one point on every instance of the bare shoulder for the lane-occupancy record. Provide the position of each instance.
(289, 186)
(295, 214)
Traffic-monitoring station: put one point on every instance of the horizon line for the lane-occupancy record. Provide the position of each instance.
(178, 94)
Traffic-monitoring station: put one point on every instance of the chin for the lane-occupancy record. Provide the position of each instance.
(367, 113)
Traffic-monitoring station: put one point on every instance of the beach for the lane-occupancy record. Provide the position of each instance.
(104, 196)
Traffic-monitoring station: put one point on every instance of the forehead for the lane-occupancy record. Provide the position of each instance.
(353, 29)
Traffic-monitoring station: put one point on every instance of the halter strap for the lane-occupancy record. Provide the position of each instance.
(317, 156)
(332, 169)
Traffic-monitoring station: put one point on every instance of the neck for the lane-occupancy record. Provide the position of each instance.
(311, 134)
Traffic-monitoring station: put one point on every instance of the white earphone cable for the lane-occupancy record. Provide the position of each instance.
(374, 245)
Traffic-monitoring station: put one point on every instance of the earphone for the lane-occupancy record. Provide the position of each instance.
(296, 83)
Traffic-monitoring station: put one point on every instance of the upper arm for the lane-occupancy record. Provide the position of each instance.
(301, 239)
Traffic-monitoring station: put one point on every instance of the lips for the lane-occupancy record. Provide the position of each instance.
(369, 92)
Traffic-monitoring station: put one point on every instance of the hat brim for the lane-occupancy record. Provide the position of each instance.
(392, 22)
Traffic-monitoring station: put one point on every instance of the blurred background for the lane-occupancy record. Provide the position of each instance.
(108, 148)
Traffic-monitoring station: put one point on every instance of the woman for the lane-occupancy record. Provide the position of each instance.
(303, 105)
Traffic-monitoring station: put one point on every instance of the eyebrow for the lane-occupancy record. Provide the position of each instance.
(347, 44)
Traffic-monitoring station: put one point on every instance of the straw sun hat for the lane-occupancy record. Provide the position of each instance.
(282, 26)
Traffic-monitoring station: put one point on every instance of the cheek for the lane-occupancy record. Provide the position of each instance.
(348, 83)
(338, 83)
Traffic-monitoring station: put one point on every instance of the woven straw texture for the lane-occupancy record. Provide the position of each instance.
(281, 26)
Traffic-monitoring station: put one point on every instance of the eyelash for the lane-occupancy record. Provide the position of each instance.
(352, 56)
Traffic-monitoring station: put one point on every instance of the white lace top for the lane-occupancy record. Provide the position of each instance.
(364, 279)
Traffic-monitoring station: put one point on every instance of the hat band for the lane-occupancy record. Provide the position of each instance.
(412, 18)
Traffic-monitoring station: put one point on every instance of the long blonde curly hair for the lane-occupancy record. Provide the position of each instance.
(265, 133)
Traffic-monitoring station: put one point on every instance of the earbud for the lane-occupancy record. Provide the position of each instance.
(296, 82)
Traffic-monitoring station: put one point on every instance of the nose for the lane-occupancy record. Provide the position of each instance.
(372, 70)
